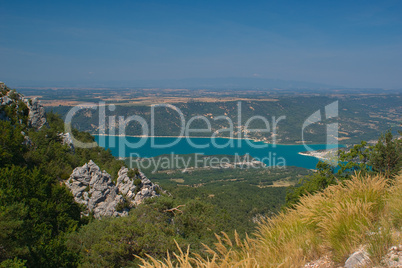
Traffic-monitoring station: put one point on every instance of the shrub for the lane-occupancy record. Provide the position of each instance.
(131, 173)
(13, 95)
(13, 263)
(136, 171)
(137, 182)
(122, 205)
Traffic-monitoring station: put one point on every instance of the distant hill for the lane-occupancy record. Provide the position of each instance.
(196, 83)
(233, 83)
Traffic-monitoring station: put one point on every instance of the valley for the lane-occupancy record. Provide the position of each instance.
(361, 116)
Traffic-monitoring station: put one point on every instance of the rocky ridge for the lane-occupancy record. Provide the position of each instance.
(102, 197)
(36, 112)
(37, 115)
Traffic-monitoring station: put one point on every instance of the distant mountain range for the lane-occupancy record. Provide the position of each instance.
(232, 83)
(224, 83)
(228, 83)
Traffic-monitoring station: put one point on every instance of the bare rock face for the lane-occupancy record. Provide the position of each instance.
(95, 190)
(125, 184)
(148, 189)
(136, 193)
(37, 115)
(67, 139)
(5, 100)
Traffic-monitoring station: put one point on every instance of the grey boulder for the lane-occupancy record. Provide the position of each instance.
(97, 192)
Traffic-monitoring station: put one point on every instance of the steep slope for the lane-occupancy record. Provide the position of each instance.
(363, 214)
(102, 196)
(37, 210)
(14, 106)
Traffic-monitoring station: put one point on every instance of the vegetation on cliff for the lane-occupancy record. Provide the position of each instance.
(37, 210)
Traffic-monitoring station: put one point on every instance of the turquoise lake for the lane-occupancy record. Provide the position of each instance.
(130, 146)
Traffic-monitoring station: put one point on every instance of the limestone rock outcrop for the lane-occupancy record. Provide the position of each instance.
(135, 193)
(5, 100)
(37, 115)
(36, 112)
(97, 192)
(67, 139)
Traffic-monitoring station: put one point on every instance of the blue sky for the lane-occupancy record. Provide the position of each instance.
(348, 43)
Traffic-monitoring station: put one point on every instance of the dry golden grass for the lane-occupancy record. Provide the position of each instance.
(362, 211)
(395, 201)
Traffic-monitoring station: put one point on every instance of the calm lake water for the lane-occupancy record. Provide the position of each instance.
(270, 155)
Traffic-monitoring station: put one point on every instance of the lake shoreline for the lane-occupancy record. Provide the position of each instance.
(123, 146)
(202, 137)
(324, 155)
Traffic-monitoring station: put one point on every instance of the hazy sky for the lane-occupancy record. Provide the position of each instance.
(350, 43)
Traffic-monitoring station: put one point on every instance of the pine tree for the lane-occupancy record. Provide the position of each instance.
(386, 155)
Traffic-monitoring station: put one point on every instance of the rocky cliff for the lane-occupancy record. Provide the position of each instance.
(21, 105)
(37, 115)
(102, 197)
